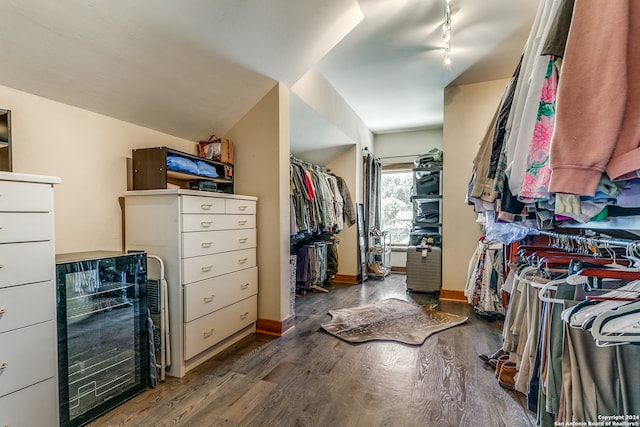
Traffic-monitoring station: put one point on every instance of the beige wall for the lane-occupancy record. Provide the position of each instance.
(399, 147)
(316, 91)
(88, 151)
(262, 157)
(467, 114)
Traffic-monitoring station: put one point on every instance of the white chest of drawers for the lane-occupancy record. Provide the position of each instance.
(208, 244)
(28, 338)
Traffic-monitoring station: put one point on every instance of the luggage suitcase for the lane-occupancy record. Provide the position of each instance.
(424, 273)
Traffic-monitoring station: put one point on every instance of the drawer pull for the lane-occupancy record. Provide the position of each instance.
(3, 311)
(242, 208)
(243, 239)
(244, 315)
(242, 222)
(3, 365)
(206, 244)
(244, 286)
(208, 333)
(205, 207)
(205, 224)
(206, 268)
(208, 299)
(243, 260)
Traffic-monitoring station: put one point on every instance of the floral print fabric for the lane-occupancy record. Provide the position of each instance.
(535, 186)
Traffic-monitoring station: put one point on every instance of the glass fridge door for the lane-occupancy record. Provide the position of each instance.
(103, 343)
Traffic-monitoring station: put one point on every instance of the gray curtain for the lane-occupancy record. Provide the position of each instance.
(372, 201)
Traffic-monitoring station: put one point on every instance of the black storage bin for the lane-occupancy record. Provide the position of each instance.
(428, 185)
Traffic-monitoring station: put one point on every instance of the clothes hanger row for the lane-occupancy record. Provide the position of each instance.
(621, 252)
(299, 162)
(619, 325)
(563, 239)
(613, 318)
(581, 269)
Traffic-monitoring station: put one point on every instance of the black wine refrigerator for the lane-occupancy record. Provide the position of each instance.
(103, 340)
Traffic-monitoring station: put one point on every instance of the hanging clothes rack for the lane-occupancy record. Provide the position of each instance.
(596, 240)
(313, 166)
(318, 200)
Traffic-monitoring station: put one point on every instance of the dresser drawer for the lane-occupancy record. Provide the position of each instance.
(196, 204)
(204, 267)
(26, 263)
(206, 331)
(245, 207)
(19, 408)
(25, 226)
(193, 222)
(26, 305)
(28, 356)
(212, 242)
(207, 296)
(25, 197)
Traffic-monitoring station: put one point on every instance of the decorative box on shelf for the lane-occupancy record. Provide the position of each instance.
(164, 167)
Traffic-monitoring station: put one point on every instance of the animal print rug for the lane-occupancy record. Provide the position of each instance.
(391, 319)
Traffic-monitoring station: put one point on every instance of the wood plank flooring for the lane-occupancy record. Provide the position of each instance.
(310, 378)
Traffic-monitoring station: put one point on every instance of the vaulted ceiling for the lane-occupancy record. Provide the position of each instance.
(192, 68)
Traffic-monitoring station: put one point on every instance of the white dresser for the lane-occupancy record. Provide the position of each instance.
(208, 244)
(28, 343)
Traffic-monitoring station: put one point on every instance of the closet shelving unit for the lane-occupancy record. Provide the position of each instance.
(424, 256)
(379, 255)
(427, 203)
(151, 171)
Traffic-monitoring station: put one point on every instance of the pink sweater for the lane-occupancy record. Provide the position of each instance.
(598, 106)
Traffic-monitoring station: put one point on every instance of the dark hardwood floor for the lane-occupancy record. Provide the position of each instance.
(310, 378)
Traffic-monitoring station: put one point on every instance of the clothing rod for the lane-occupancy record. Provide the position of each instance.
(366, 153)
(311, 165)
(597, 239)
(399, 157)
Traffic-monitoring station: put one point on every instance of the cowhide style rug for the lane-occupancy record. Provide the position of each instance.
(390, 319)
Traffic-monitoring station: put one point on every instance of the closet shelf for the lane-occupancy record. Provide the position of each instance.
(181, 176)
(427, 198)
(151, 170)
(104, 289)
(433, 169)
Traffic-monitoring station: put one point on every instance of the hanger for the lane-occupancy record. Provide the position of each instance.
(605, 273)
(585, 313)
(633, 253)
(612, 255)
(551, 285)
(620, 325)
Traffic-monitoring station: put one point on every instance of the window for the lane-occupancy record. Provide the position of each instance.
(397, 214)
